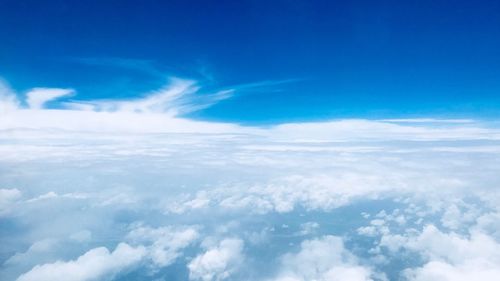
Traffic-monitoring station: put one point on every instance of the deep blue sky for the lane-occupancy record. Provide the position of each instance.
(366, 59)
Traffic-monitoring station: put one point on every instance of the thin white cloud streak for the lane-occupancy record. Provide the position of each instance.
(340, 130)
(179, 96)
(428, 120)
(166, 100)
(359, 129)
(37, 97)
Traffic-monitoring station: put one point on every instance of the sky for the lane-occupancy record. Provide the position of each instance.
(249, 140)
(342, 59)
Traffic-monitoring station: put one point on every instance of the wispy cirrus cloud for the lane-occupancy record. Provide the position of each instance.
(177, 98)
(36, 98)
(161, 110)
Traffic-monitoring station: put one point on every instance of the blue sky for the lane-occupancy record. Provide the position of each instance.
(249, 140)
(341, 59)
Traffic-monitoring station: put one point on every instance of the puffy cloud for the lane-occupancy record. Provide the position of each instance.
(93, 265)
(217, 263)
(316, 191)
(454, 257)
(308, 228)
(165, 243)
(37, 97)
(325, 259)
(438, 270)
(455, 248)
(448, 256)
(155, 247)
(489, 223)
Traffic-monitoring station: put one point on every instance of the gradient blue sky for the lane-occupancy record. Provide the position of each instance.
(249, 140)
(335, 59)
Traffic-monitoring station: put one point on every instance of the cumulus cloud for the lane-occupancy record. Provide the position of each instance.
(438, 270)
(165, 243)
(219, 262)
(454, 257)
(323, 258)
(93, 265)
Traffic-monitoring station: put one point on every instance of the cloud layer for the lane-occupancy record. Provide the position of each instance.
(132, 190)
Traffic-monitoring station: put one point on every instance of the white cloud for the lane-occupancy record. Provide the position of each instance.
(36, 250)
(358, 129)
(48, 195)
(93, 265)
(159, 111)
(448, 256)
(489, 223)
(370, 231)
(106, 122)
(428, 120)
(315, 191)
(137, 160)
(438, 270)
(8, 198)
(454, 248)
(322, 259)
(452, 257)
(308, 228)
(164, 243)
(217, 263)
(8, 99)
(178, 97)
(37, 97)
